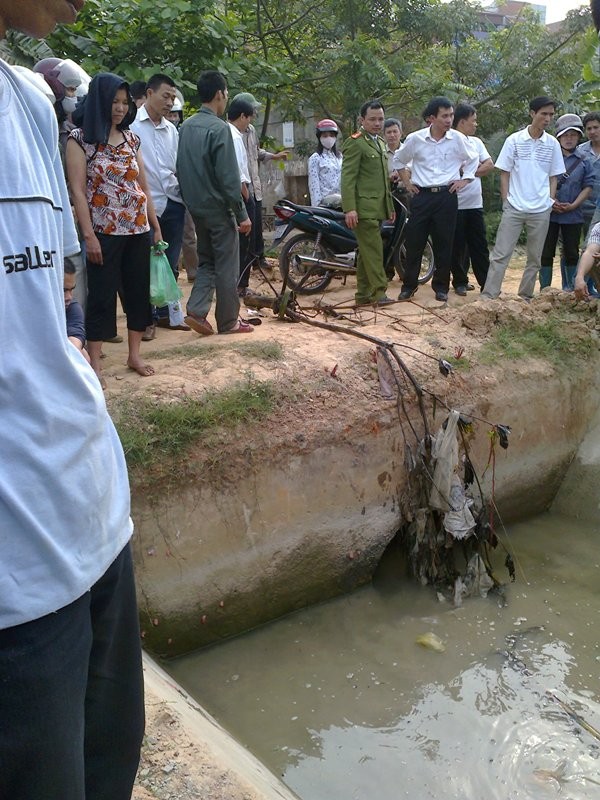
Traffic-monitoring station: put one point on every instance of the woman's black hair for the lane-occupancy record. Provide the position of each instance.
(94, 114)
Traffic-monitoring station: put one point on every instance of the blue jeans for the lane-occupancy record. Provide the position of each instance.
(71, 697)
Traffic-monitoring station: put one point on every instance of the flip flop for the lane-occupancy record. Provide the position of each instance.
(240, 327)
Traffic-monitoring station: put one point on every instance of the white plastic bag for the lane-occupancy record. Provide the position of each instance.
(445, 454)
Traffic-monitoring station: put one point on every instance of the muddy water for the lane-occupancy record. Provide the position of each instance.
(341, 702)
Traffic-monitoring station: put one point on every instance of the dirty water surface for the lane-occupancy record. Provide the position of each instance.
(341, 702)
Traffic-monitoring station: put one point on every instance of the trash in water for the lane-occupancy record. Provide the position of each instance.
(459, 521)
(431, 642)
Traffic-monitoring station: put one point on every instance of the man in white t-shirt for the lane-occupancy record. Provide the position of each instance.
(71, 689)
(530, 162)
(470, 239)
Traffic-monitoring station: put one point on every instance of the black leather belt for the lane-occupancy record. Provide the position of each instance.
(434, 188)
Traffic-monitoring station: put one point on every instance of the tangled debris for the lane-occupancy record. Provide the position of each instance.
(445, 511)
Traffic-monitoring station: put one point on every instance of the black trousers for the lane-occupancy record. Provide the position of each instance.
(126, 263)
(431, 214)
(257, 244)
(72, 698)
(246, 252)
(470, 245)
(570, 234)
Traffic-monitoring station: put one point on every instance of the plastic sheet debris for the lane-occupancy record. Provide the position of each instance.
(445, 454)
(476, 581)
(445, 367)
(387, 380)
(459, 522)
(503, 432)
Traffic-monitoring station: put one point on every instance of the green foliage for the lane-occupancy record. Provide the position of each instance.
(551, 340)
(22, 50)
(135, 38)
(586, 91)
(327, 58)
(151, 431)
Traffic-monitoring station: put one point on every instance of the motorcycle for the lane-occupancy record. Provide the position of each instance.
(327, 248)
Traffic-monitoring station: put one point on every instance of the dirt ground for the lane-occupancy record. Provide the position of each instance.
(174, 764)
(180, 358)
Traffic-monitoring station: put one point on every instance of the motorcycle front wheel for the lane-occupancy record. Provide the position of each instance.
(303, 278)
(427, 263)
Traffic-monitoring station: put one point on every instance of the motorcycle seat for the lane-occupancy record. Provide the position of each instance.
(319, 211)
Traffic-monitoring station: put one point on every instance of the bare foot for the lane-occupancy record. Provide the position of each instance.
(142, 369)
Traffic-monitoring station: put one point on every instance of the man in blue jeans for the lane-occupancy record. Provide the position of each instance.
(71, 689)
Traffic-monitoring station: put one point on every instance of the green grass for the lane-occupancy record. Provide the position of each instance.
(551, 340)
(463, 364)
(152, 432)
(260, 351)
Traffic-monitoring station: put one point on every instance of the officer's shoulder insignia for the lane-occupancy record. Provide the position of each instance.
(356, 135)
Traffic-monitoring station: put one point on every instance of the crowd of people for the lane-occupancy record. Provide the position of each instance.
(549, 185)
(71, 705)
(138, 175)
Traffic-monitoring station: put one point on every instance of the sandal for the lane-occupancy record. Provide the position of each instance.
(240, 327)
(199, 324)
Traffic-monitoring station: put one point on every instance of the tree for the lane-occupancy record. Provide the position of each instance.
(135, 38)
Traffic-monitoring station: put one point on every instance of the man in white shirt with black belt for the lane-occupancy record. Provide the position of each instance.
(530, 162)
(441, 164)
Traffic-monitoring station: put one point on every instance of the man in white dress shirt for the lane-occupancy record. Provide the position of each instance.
(240, 116)
(530, 162)
(441, 164)
(159, 148)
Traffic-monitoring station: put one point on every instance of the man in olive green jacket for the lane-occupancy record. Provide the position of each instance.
(366, 200)
(209, 177)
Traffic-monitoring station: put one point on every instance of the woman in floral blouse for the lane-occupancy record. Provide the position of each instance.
(325, 166)
(114, 209)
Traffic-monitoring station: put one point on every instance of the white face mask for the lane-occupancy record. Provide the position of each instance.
(328, 142)
(69, 104)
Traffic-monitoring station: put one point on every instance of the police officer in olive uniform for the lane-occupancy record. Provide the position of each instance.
(366, 200)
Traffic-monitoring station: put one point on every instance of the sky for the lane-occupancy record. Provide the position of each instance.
(557, 9)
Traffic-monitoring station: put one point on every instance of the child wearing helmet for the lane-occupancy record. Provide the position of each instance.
(325, 166)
